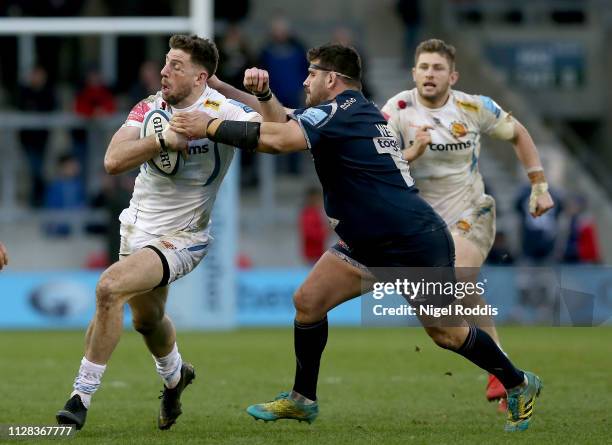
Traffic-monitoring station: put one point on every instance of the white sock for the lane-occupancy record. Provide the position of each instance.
(88, 380)
(169, 367)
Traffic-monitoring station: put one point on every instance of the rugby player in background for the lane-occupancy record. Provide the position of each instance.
(165, 232)
(374, 207)
(439, 130)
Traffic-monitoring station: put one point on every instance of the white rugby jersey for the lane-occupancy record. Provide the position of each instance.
(162, 204)
(447, 173)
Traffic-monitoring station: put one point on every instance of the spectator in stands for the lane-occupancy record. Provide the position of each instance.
(65, 192)
(234, 58)
(284, 57)
(538, 235)
(410, 13)
(114, 197)
(93, 100)
(500, 254)
(36, 95)
(231, 12)
(344, 36)
(582, 245)
(149, 79)
(313, 227)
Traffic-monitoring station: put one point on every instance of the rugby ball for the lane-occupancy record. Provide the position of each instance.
(167, 161)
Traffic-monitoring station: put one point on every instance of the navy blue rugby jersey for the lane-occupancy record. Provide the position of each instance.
(368, 191)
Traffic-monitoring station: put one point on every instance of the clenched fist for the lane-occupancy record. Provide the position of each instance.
(256, 81)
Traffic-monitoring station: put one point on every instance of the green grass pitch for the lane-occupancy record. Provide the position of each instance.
(382, 386)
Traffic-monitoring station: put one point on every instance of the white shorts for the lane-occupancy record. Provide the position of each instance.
(477, 224)
(180, 252)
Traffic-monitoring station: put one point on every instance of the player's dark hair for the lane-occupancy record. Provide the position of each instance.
(437, 46)
(342, 59)
(202, 51)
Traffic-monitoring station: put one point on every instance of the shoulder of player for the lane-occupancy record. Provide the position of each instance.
(139, 111)
(402, 100)
(212, 100)
(216, 102)
(472, 103)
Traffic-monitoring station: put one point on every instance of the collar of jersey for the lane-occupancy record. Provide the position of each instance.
(450, 99)
(198, 101)
(335, 99)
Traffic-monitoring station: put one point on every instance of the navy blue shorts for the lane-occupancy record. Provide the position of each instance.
(427, 256)
(431, 249)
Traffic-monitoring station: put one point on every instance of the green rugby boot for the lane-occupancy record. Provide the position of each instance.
(521, 402)
(284, 407)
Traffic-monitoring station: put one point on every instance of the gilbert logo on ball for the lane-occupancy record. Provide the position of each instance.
(167, 161)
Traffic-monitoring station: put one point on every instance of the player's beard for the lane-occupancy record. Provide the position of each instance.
(177, 96)
(312, 100)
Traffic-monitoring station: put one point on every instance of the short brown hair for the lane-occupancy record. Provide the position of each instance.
(202, 51)
(342, 59)
(436, 46)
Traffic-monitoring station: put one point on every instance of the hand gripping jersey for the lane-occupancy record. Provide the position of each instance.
(368, 191)
(447, 173)
(163, 204)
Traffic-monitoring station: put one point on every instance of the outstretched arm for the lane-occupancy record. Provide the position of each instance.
(265, 137)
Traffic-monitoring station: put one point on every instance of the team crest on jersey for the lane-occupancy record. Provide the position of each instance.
(458, 129)
(212, 104)
(313, 116)
(469, 106)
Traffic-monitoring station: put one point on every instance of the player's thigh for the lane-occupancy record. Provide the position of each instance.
(149, 307)
(467, 253)
(179, 252)
(468, 259)
(474, 233)
(141, 271)
(331, 282)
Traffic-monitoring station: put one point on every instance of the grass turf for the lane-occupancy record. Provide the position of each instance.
(375, 387)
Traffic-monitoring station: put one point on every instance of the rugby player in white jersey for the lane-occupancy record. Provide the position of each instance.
(165, 230)
(439, 130)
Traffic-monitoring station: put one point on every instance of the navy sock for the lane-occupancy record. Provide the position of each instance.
(480, 349)
(309, 343)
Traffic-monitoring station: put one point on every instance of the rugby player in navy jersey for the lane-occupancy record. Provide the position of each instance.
(374, 208)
